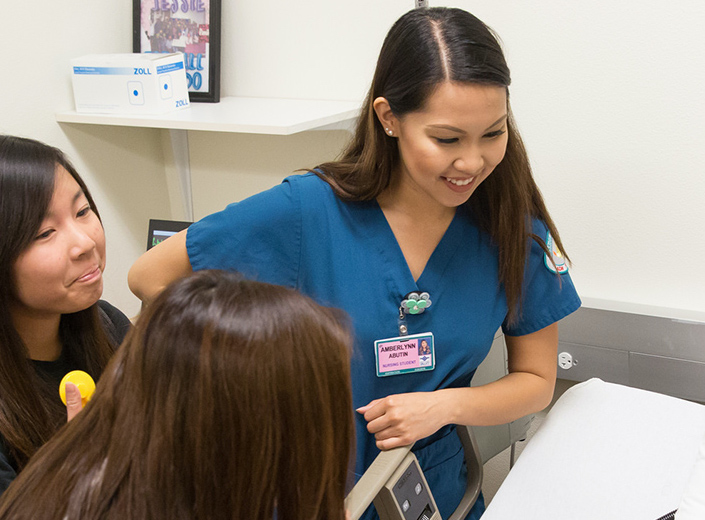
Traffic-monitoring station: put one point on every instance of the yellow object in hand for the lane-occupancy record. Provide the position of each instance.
(83, 381)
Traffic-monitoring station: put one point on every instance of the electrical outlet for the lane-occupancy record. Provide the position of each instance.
(565, 360)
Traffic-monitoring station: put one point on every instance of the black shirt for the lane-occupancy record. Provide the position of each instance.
(116, 325)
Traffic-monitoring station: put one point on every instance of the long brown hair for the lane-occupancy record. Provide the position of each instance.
(30, 410)
(229, 399)
(424, 48)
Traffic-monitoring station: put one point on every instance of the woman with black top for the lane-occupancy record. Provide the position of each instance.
(52, 257)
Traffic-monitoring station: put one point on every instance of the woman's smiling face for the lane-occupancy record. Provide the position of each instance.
(62, 269)
(452, 144)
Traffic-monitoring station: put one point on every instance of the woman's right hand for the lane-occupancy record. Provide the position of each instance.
(402, 419)
(73, 401)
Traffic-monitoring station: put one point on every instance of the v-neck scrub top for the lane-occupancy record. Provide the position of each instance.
(344, 254)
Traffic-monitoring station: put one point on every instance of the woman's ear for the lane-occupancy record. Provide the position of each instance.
(386, 117)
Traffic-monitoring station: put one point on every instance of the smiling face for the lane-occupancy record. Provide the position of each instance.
(62, 269)
(449, 146)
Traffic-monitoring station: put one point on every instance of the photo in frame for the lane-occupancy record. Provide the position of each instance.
(188, 26)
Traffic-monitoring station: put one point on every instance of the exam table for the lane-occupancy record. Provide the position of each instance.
(609, 451)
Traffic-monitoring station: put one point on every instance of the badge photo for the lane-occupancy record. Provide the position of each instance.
(405, 354)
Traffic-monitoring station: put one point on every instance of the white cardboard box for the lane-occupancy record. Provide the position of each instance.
(130, 83)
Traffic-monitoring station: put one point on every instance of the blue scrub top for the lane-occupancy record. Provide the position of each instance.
(344, 254)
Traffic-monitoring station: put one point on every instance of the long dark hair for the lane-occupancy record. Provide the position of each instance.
(423, 49)
(30, 411)
(229, 399)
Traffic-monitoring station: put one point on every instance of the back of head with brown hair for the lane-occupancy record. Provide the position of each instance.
(229, 399)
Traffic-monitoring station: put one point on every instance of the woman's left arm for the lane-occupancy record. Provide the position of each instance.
(401, 419)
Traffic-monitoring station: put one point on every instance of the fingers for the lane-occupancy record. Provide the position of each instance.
(380, 414)
(73, 401)
(401, 419)
(393, 442)
(363, 409)
(378, 408)
(391, 432)
(376, 414)
(392, 436)
(379, 425)
(384, 423)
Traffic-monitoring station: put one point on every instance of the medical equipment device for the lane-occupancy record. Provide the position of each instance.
(160, 230)
(396, 485)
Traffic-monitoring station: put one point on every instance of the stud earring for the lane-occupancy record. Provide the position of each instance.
(390, 132)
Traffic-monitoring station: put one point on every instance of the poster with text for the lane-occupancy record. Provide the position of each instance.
(191, 27)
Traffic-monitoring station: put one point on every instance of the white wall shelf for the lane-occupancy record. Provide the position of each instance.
(236, 114)
(267, 116)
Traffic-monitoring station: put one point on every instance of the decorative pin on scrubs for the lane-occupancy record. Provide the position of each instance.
(556, 262)
(415, 303)
(406, 353)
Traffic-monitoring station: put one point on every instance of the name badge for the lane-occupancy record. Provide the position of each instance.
(405, 354)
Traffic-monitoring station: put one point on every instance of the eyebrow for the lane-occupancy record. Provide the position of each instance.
(460, 131)
(77, 196)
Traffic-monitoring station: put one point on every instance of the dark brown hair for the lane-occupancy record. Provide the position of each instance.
(30, 410)
(229, 399)
(423, 49)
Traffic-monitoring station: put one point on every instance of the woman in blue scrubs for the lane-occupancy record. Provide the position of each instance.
(429, 228)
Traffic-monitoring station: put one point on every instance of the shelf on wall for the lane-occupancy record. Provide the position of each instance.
(237, 114)
(268, 116)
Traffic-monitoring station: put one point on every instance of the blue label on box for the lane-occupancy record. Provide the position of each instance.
(112, 71)
(161, 69)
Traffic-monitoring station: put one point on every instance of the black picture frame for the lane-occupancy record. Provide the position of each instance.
(157, 25)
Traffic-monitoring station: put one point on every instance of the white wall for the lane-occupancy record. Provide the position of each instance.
(119, 165)
(607, 95)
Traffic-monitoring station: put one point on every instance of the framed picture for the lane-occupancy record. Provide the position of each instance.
(188, 26)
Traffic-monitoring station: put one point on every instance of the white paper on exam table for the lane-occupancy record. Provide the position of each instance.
(604, 451)
(692, 506)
